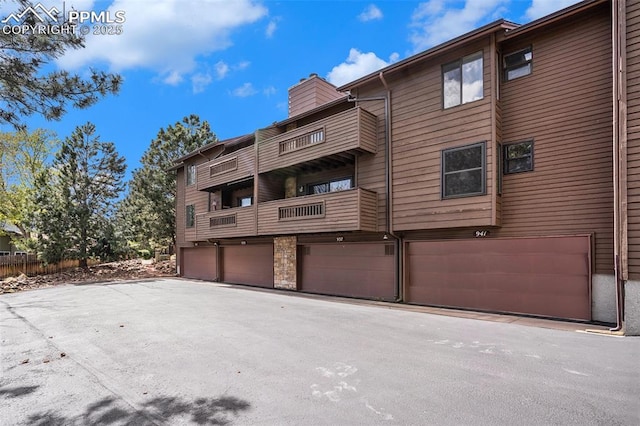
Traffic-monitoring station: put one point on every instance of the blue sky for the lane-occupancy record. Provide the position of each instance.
(232, 61)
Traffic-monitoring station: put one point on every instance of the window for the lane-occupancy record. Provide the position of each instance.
(518, 157)
(331, 186)
(245, 201)
(463, 171)
(518, 64)
(191, 174)
(462, 81)
(191, 216)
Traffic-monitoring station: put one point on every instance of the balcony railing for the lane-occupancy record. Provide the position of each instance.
(227, 168)
(227, 223)
(352, 130)
(350, 210)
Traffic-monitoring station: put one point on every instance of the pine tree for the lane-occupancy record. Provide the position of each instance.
(76, 198)
(27, 88)
(148, 211)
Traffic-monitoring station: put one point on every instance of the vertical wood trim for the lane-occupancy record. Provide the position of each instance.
(389, 137)
(256, 178)
(620, 68)
(494, 122)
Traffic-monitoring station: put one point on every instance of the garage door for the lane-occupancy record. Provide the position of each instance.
(540, 276)
(248, 264)
(355, 270)
(199, 263)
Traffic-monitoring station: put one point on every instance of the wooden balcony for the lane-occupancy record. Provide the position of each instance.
(227, 168)
(227, 223)
(351, 210)
(354, 130)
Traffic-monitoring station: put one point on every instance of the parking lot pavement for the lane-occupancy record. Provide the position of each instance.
(173, 351)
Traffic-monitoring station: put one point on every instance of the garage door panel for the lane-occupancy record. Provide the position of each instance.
(248, 264)
(353, 270)
(541, 276)
(199, 263)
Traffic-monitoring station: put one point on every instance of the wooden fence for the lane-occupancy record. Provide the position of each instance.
(28, 264)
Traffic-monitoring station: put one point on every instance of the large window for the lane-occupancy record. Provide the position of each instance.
(191, 174)
(191, 216)
(518, 157)
(462, 81)
(518, 64)
(245, 201)
(463, 171)
(330, 186)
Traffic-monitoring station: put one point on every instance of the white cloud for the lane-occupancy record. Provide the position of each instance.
(242, 65)
(166, 36)
(540, 8)
(358, 64)
(433, 22)
(200, 81)
(370, 13)
(269, 91)
(272, 26)
(222, 69)
(173, 78)
(244, 91)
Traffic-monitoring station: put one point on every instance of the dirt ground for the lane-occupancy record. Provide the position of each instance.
(114, 271)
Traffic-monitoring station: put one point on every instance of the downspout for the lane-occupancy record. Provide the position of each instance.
(616, 38)
(389, 192)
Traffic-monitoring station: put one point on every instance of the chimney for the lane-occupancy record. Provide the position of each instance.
(310, 93)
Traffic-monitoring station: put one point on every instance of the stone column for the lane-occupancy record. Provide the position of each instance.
(285, 262)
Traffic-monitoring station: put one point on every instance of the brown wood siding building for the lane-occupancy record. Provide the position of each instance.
(565, 107)
(545, 232)
(633, 135)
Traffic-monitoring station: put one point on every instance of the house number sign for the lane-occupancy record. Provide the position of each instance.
(482, 233)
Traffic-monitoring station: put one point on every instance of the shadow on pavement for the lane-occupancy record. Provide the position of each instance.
(109, 411)
(17, 392)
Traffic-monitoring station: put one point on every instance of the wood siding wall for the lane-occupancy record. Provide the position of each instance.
(349, 130)
(245, 158)
(309, 94)
(565, 106)
(270, 187)
(351, 210)
(370, 168)
(633, 136)
(200, 199)
(422, 129)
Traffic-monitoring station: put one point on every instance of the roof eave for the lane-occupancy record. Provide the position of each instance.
(212, 145)
(315, 110)
(554, 17)
(465, 38)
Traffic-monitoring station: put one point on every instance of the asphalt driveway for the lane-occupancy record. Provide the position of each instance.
(175, 351)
